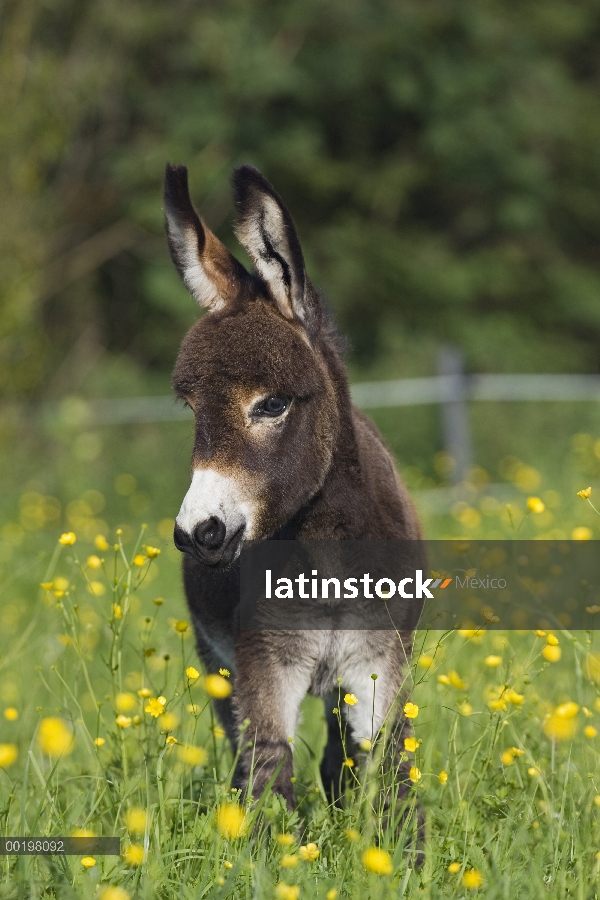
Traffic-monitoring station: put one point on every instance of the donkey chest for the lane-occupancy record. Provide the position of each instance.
(339, 653)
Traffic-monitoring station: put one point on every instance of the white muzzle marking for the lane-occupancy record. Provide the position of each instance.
(213, 494)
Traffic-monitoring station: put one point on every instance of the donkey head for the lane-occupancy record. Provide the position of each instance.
(254, 370)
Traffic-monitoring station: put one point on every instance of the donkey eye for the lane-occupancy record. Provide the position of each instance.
(272, 407)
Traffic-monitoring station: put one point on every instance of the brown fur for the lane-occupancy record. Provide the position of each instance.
(321, 470)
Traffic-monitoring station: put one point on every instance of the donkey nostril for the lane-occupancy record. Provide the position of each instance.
(210, 534)
(181, 539)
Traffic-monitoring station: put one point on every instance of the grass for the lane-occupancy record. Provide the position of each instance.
(517, 816)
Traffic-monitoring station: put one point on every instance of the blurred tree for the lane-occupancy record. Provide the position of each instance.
(440, 160)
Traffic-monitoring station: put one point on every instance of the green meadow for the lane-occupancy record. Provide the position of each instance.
(107, 726)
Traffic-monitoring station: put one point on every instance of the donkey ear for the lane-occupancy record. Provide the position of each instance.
(209, 271)
(266, 229)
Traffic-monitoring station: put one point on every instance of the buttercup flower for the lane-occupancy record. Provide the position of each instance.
(285, 840)
(216, 686)
(192, 756)
(156, 706)
(414, 774)
(181, 626)
(139, 560)
(585, 494)
(136, 819)
(67, 539)
(493, 661)
(225, 673)
(378, 861)
(94, 562)
(8, 755)
(123, 721)
(11, 714)
(134, 854)
(350, 699)
(285, 891)
(288, 861)
(535, 505)
(192, 673)
(411, 744)
(581, 533)
(99, 741)
(231, 820)
(590, 732)
(551, 653)
(113, 892)
(411, 710)
(101, 542)
(144, 692)
(443, 777)
(55, 737)
(472, 879)
(152, 552)
(309, 852)
(88, 861)
(454, 867)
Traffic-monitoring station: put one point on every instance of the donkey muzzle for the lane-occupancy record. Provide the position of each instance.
(209, 542)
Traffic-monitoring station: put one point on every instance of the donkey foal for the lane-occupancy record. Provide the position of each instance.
(279, 453)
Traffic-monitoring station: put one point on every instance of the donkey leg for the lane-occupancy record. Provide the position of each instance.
(268, 691)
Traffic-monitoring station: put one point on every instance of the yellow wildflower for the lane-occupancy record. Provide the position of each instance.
(454, 867)
(352, 835)
(540, 633)
(597, 800)
(493, 661)
(411, 744)
(47, 585)
(443, 777)
(582, 533)
(125, 702)
(285, 891)
(225, 673)
(331, 894)
(191, 755)
(590, 732)
(378, 861)
(350, 699)
(559, 728)
(585, 493)
(112, 892)
(533, 771)
(88, 861)
(513, 697)
(94, 562)
(216, 686)
(567, 710)
(136, 819)
(308, 852)
(168, 721)
(227, 864)
(192, 673)
(551, 653)
(156, 706)
(123, 721)
(55, 737)
(414, 774)
(285, 840)
(288, 860)
(535, 505)
(456, 681)
(134, 854)
(144, 692)
(465, 709)
(117, 611)
(231, 820)
(552, 640)
(67, 539)
(472, 879)
(425, 661)
(411, 710)
(152, 552)
(139, 560)
(8, 755)
(101, 542)
(181, 626)
(11, 714)
(99, 742)
(349, 762)
(443, 679)
(171, 740)
(366, 745)
(96, 588)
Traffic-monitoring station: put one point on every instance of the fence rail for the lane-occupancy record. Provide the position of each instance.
(452, 389)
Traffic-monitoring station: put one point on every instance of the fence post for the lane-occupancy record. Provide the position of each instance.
(454, 410)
